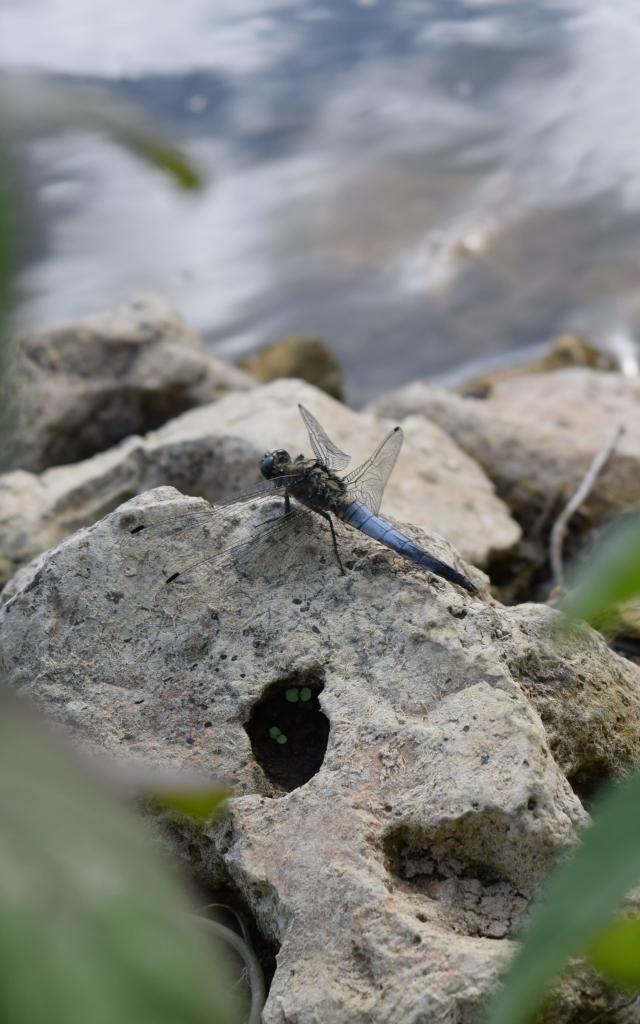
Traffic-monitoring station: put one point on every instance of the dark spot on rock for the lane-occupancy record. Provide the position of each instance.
(190, 740)
(35, 582)
(465, 728)
(532, 803)
(297, 600)
(289, 739)
(421, 917)
(485, 759)
(458, 613)
(208, 725)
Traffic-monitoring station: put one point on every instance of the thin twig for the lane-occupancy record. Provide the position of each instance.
(556, 539)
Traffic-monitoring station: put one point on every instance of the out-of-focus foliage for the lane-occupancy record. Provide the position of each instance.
(35, 105)
(616, 952)
(198, 802)
(92, 926)
(611, 577)
(578, 904)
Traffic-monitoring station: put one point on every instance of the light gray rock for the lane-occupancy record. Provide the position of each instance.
(390, 869)
(79, 389)
(536, 436)
(214, 452)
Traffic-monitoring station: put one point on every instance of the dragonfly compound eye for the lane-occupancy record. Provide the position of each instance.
(273, 463)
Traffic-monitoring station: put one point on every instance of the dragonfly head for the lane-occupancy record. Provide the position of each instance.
(275, 464)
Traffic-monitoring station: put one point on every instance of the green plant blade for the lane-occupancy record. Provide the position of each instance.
(92, 925)
(581, 896)
(162, 155)
(616, 952)
(612, 577)
(32, 105)
(200, 803)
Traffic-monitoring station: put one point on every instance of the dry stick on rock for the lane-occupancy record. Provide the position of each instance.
(559, 529)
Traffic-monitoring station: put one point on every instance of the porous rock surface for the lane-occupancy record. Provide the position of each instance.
(79, 389)
(391, 869)
(214, 452)
(537, 435)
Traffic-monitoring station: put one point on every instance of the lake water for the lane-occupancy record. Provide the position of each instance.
(425, 185)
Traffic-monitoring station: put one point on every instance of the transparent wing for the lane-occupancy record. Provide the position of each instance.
(368, 481)
(204, 542)
(325, 451)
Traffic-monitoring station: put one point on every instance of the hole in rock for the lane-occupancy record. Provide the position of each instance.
(588, 781)
(451, 885)
(289, 732)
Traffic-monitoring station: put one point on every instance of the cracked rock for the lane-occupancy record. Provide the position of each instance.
(393, 872)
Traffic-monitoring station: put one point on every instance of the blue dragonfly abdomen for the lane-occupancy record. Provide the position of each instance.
(361, 518)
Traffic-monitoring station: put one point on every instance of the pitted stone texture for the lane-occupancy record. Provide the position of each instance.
(536, 436)
(214, 452)
(81, 388)
(392, 879)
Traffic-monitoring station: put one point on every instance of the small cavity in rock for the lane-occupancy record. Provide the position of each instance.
(289, 736)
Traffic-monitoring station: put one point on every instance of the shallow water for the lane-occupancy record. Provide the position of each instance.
(424, 185)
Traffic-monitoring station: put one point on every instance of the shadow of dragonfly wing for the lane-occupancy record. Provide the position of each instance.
(368, 481)
(326, 452)
(200, 543)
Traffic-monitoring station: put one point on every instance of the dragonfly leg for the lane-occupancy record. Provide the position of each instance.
(327, 516)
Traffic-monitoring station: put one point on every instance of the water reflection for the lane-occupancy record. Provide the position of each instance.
(420, 183)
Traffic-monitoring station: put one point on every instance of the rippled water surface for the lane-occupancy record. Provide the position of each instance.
(422, 184)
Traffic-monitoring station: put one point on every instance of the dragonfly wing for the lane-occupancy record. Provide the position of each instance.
(201, 509)
(207, 536)
(325, 451)
(368, 481)
(217, 556)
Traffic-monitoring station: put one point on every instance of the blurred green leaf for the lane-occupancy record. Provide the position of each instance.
(33, 105)
(578, 903)
(92, 925)
(616, 952)
(162, 155)
(612, 576)
(199, 803)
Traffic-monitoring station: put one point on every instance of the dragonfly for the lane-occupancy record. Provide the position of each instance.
(314, 486)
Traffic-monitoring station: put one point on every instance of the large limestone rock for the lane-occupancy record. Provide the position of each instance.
(389, 846)
(81, 388)
(536, 436)
(214, 451)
